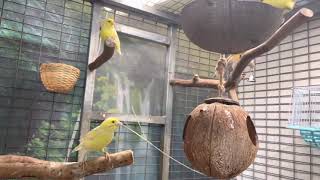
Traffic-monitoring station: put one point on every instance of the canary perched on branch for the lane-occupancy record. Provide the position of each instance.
(281, 4)
(98, 138)
(231, 63)
(110, 41)
(109, 34)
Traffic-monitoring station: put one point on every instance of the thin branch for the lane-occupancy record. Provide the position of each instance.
(196, 81)
(12, 166)
(233, 94)
(295, 21)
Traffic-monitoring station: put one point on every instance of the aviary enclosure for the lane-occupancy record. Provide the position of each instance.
(204, 89)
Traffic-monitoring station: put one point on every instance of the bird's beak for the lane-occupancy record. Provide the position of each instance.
(119, 123)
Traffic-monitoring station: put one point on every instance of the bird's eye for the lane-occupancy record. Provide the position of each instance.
(112, 121)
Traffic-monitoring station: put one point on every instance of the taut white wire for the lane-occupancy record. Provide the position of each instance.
(162, 151)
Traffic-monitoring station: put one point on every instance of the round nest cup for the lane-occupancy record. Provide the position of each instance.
(229, 26)
(59, 77)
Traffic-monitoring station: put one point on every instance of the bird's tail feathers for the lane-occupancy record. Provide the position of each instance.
(76, 148)
(119, 51)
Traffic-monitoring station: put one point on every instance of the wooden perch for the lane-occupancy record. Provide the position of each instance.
(12, 166)
(233, 94)
(106, 54)
(196, 81)
(302, 16)
(295, 21)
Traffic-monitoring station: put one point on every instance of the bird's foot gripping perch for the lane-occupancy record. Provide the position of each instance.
(110, 42)
(106, 154)
(83, 163)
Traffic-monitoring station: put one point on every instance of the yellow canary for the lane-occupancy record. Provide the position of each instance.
(98, 138)
(231, 64)
(109, 34)
(281, 4)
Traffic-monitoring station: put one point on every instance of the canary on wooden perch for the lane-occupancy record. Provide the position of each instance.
(100, 137)
(111, 42)
(232, 62)
(109, 34)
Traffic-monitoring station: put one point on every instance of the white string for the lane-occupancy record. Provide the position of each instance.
(162, 151)
(135, 117)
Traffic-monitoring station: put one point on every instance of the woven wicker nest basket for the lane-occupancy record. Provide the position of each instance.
(58, 77)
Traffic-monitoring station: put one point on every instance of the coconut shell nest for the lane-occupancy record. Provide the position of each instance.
(220, 139)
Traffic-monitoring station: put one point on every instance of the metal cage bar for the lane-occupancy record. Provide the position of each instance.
(171, 56)
(89, 85)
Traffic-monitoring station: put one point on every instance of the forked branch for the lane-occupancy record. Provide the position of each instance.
(302, 16)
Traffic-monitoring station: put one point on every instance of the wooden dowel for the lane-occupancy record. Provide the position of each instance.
(12, 166)
(233, 94)
(195, 82)
(106, 54)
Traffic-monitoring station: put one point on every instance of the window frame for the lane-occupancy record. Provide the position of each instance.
(170, 42)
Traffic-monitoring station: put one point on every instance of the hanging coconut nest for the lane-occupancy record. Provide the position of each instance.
(220, 139)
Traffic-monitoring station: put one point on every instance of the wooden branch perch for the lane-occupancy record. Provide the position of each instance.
(195, 82)
(233, 94)
(12, 166)
(106, 54)
(295, 21)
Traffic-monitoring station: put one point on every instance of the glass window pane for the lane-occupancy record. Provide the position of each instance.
(134, 81)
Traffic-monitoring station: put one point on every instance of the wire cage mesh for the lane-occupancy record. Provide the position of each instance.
(305, 113)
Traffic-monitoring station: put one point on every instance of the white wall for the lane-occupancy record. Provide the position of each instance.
(283, 154)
